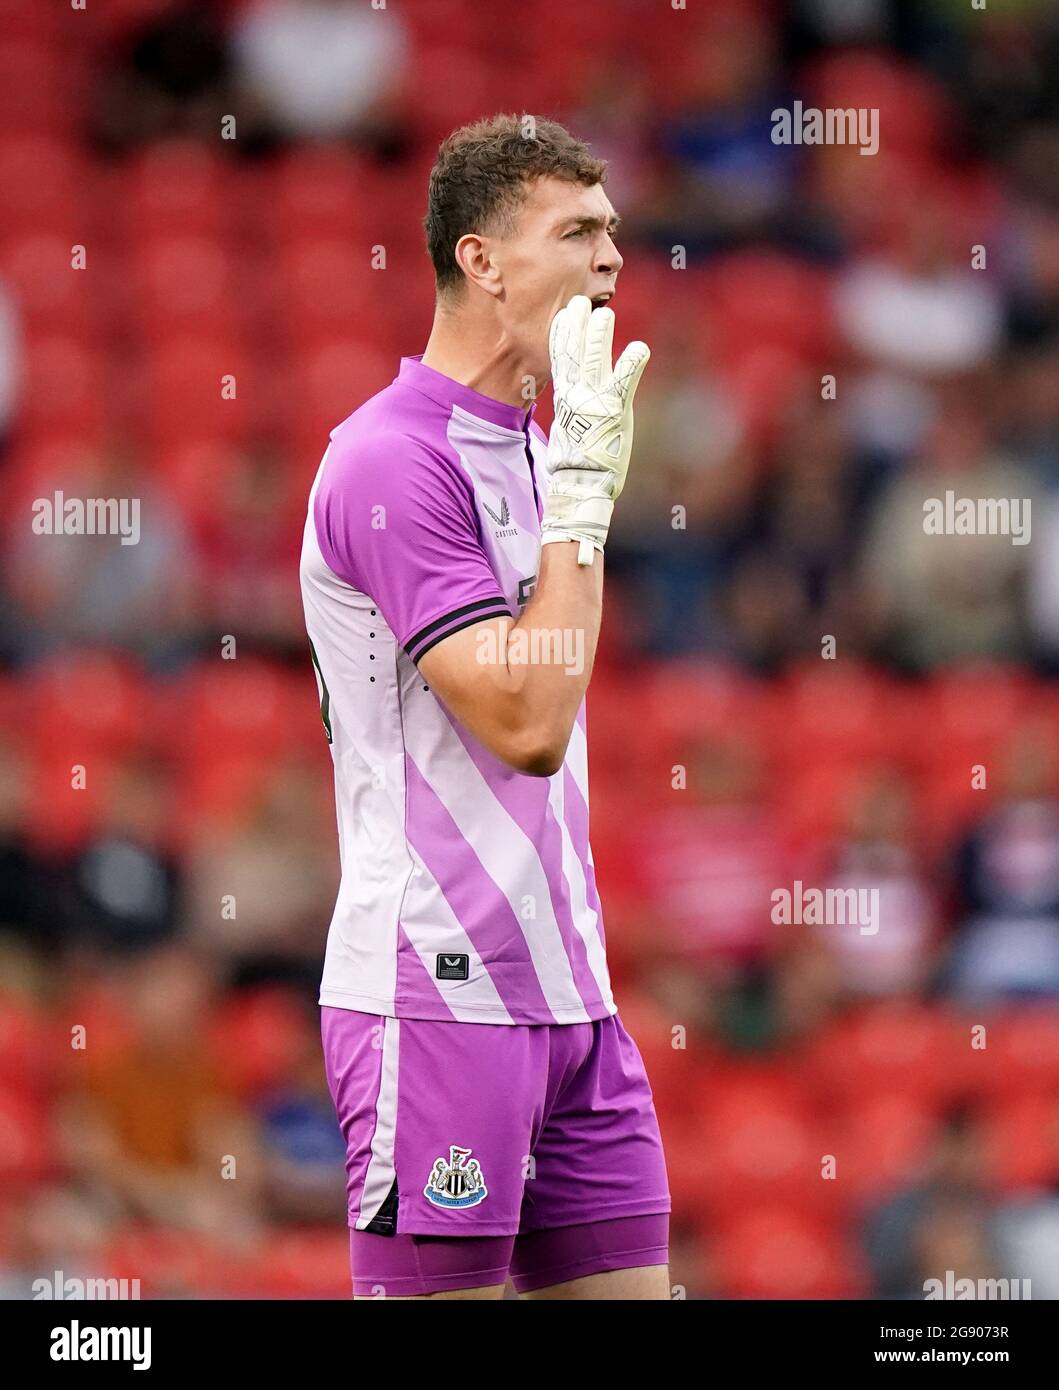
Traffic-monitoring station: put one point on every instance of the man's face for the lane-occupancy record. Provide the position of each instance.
(561, 245)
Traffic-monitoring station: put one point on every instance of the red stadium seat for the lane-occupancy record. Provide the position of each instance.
(41, 86)
(321, 192)
(230, 722)
(181, 391)
(1020, 1058)
(1024, 1143)
(913, 108)
(52, 297)
(27, 1048)
(844, 713)
(27, 1146)
(307, 1263)
(762, 298)
(882, 1143)
(970, 713)
(780, 1252)
(759, 1143)
(167, 1262)
(63, 393)
(256, 1039)
(689, 702)
(178, 188)
(183, 284)
(47, 186)
(895, 1046)
(87, 702)
(327, 384)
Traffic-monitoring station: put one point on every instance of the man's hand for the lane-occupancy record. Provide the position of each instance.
(591, 438)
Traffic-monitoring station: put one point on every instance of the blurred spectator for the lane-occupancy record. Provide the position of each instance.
(319, 69)
(877, 853)
(1007, 945)
(922, 309)
(711, 860)
(169, 78)
(303, 1154)
(948, 597)
(246, 549)
(1028, 1232)
(98, 588)
(733, 178)
(124, 889)
(27, 892)
(939, 1222)
(694, 459)
(146, 1123)
(281, 871)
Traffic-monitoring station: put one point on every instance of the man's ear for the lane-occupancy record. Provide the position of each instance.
(474, 257)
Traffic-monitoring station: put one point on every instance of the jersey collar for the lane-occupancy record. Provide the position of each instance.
(446, 392)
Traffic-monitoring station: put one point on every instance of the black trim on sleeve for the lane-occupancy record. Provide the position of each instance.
(471, 613)
(384, 1222)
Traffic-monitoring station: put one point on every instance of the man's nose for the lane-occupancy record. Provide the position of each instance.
(610, 261)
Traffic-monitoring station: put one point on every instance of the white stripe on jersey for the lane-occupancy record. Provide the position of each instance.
(381, 1168)
(586, 919)
(468, 1000)
(486, 825)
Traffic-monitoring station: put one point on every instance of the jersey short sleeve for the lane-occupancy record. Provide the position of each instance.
(397, 521)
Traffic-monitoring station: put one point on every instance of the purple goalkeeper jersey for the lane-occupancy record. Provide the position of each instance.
(468, 891)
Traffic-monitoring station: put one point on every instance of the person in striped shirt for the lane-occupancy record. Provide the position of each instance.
(498, 1120)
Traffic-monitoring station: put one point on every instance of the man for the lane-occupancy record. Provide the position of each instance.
(497, 1117)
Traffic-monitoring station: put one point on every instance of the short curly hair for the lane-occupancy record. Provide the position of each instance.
(481, 176)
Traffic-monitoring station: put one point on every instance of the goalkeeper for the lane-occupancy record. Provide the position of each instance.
(498, 1120)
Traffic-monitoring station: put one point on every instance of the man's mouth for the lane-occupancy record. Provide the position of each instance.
(600, 299)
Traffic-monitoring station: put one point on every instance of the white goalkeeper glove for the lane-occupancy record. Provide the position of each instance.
(591, 437)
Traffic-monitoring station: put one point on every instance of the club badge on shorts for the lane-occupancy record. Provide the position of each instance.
(458, 1182)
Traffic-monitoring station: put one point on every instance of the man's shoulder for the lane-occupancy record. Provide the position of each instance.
(393, 429)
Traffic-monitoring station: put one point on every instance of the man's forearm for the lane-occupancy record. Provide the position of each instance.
(558, 631)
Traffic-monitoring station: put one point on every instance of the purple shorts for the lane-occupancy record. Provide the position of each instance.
(476, 1130)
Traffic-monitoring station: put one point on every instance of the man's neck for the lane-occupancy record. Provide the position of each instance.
(478, 354)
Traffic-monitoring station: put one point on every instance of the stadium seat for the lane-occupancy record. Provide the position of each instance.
(307, 1263)
(169, 1263)
(28, 1051)
(47, 188)
(51, 297)
(894, 1046)
(779, 1252)
(86, 702)
(1023, 1136)
(64, 389)
(181, 390)
(178, 187)
(759, 1144)
(27, 1146)
(970, 713)
(842, 713)
(256, 1038)
(183, 284)
(881, 1142)
(1020, 1058)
